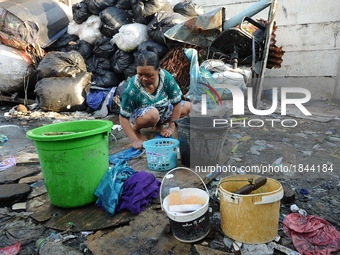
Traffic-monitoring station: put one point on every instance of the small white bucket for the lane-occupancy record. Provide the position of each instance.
(188, 227)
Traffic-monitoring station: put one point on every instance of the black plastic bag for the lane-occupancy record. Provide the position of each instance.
(131, 70)
(62, 42)
(121, 60)
(60, 94)
(80, 12)
(61, 64)
(124, 4)
(144, 10)
(160, 49)
(103, 48)
(96, 6)
(112, 19)
(102, 72)
(188, 9)
(94, 63)
(105, 78)
(84, 48)
(161, 22)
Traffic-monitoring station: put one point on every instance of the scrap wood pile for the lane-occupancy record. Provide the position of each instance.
(177, 63)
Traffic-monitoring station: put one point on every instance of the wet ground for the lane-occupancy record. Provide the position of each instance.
(305, 159)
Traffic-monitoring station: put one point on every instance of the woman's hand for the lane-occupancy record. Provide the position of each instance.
(138, 144)
(167, 132)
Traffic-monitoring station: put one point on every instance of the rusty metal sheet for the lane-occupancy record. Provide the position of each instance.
(200, 30)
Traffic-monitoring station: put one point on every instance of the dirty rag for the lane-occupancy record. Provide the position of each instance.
(311, 235)
(110, 187)
(138, 192)
(7, 163)
(10, 250)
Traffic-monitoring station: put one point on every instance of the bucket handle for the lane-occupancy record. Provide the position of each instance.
(115, 140)
(270, 198)
(165, 176)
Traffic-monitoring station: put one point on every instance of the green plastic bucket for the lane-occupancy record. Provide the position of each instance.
(74, 158)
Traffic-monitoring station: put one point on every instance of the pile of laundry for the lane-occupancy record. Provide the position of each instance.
(122, 188)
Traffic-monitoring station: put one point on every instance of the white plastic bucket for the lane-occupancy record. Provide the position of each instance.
(192, 226)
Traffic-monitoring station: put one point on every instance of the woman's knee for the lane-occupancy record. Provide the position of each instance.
(150, 117)
(186, 109)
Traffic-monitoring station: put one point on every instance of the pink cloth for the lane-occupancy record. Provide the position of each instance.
(311, 235)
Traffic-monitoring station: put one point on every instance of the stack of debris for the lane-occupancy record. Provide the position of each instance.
(98, 52)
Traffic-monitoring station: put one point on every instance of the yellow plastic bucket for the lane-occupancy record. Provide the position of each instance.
(252, 218)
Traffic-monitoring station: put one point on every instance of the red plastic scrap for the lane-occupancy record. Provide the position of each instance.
(10, 250)
(311, 235)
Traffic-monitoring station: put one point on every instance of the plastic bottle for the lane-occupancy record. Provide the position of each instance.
(51, 248)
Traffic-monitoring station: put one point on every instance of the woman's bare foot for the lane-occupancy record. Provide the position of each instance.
(139, 134)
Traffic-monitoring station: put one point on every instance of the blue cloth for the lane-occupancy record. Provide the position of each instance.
(138, 192)
(129, 153)
(125, 155)
(110, 187)
(95, 98)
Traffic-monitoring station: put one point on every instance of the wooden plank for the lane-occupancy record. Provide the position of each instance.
(15, 99)
(38, 189)
(144, 235)
(86, 218)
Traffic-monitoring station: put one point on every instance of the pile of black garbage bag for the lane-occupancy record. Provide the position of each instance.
(91, 57)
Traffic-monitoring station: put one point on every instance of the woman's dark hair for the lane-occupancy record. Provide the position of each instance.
(148, 58)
